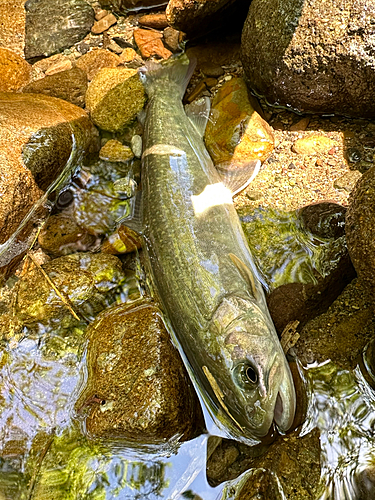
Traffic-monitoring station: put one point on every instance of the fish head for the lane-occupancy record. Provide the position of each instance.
(257, 387)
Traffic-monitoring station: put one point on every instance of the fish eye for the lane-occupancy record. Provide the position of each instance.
(246, 375)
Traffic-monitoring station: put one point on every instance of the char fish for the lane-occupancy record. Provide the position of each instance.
(202, 268)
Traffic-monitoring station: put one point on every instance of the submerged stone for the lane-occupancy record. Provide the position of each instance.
(15, 71)
(137, 387)
(52, 26)
(235, 132)
(95, 60)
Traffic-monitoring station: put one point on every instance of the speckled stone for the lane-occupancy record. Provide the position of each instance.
(313, 144)
(311, 55)
(70, 85)
(12, 25)
(114, 150)
(55, 25)
(97, 59)
(360, 224)
(114, 98)
(150, 43)
(137, 387)
(15, 71)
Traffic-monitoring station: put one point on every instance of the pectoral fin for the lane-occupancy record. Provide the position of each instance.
(198, 112)
(246, 274)
(238, 177)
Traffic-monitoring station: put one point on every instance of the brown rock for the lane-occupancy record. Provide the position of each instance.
(214, 54)
(100, 13)
(313, 144)
(171, 39)
(97, 59)
(137, 387)
(156, 21)
(62, 66)
(360, 224)
(348, 181)
(69, 85)
(124, 240)
(114, 150)
(114, 98)
(122, 6)
(15, 72)
(324, 219)
(128, 55)
(301, 125)
(104, 24)
(12, 25)
(211, 69)
(236, 133)
(35, 145)
(150, 43)
(56, 61)
(61, 235)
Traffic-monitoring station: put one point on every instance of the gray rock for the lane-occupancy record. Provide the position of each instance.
(52, 26)
(313, 56)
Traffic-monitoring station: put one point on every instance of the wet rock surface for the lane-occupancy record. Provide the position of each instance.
(137, 387)
(291, 58)
(52, 26)
(16, 72)
(360, 222)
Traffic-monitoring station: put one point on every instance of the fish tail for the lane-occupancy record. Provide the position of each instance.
(176, 69)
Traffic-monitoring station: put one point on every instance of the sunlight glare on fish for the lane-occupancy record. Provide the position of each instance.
(213, 195)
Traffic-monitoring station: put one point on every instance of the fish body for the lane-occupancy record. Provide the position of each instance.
(203, 271)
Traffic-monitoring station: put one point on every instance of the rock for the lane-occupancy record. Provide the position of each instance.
(15, 71)
(116, 151)
(341, 333)
(313, 144)
(100, 13)
(61, 235)
(217, 53)
(51, 63)
(114, 98)
(195, 17)
(128, 55)
(304, 274)
(36, 140)
(97, 59)
(136, 145)
(58, 67)
(123, 240)
(301, 125)
(12, 22)
(211, 69)
(156, 21)
(171, 39)
(52, 26)
(137, 387)
(90, 282)
(315, 57)
(360, 220)
(122, 6)
(150, 43)
(103, 24)
(235, 133)
(70, 85)
(348, 181)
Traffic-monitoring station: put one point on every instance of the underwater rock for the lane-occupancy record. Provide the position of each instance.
(69, 85)
(137, 386)
(122, 6)
(150, 43)
(104, 24)
(114, 98)
(96, 60)
(15, 71)
(360, 223)
(341, 333)
(36, 142)
(288, 468)
(87, 282)
(12, 22)
(123, 240)
(324, 219)
(313, 144)
(52, 26)
(114, 150)
(61, 235)
(315, 57)
(235, 133)
(156, 21)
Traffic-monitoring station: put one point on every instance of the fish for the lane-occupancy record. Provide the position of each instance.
(201, 265)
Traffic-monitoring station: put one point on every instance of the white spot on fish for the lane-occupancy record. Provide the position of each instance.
(213, 195)
(163, 149)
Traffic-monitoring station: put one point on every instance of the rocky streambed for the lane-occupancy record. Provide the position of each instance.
(95, 400)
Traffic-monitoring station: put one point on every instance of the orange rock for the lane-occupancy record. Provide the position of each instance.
(12, 25)
(103, 24)
(157, 21)
(15, 72)
(60, 66)
(95, 60)
(150, 43)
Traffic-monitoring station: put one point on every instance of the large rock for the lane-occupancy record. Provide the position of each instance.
(311, 55)
(12, 22)
(36, 142)
(15, 71)
(123, 6)
(52, 26)
(137, 387)
(360, 223)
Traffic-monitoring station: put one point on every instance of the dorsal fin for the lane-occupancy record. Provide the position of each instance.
(246, 274)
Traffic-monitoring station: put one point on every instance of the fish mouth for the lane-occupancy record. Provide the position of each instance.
(285, 405)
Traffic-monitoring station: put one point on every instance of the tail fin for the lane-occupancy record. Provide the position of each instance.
(177, 70)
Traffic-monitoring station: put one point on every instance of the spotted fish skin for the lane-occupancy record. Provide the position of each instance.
(202, 269)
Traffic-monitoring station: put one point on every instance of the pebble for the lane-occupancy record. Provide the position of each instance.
(114, 150)
(124, 240)
(150, 43)
(55, 25)
(128, 55)
(103, 24)
(156, 21)
(171, 39)
(95, 60)
(348, 180)
(301, 125)
(136, 145)
(100, 13)
(59, 66)
(15, 71)
(114, 98)
(212, 70)
(313, 144)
